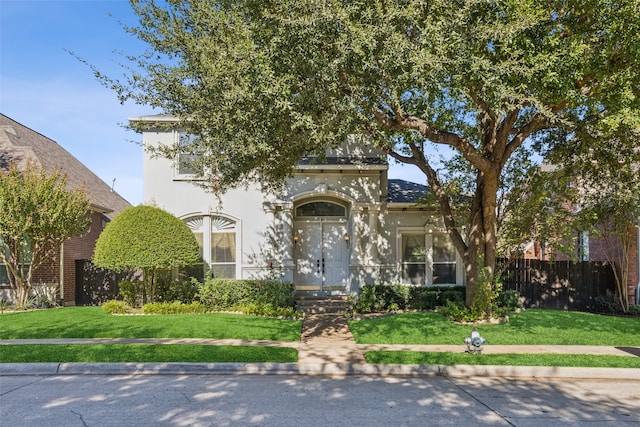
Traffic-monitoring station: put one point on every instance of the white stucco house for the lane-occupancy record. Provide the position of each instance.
(339, 224)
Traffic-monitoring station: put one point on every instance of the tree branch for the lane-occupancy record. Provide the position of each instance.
(436, 136)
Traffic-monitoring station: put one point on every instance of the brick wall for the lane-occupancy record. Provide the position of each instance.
(80, 247)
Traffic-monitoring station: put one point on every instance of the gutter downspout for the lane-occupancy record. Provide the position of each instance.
(61, 300)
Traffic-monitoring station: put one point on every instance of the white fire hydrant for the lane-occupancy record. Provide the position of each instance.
(474, 342)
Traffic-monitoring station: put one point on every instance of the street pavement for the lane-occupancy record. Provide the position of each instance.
(309, 401)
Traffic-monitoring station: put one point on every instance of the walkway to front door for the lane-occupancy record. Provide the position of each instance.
(321, 257)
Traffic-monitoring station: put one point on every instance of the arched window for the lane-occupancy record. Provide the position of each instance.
(313, 209)
(218, 235)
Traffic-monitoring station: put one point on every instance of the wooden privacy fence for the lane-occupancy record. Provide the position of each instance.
(563, 285)
(95, 286)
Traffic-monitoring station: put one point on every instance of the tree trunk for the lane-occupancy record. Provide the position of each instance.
(482, 239)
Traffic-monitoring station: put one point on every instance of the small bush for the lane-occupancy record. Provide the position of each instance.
(484, 301)
(175, 307)
(116, 307)
(268, 310)
(452, 295)
(425, 299)
(457, 312)
(509, 300)
(131, 291)
(634, 310)
(184, 291)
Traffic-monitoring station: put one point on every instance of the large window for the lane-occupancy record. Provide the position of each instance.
(218, 235)
(428, 259)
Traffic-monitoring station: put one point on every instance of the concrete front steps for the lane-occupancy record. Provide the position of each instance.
(314, 305)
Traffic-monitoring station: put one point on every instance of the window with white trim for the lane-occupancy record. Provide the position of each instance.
(216, 235)
(427, 258)
(223, 247)
(185, 165)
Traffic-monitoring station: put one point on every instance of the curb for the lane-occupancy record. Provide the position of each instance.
(316, 369)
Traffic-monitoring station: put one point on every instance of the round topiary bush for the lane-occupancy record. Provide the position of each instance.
(146, 238)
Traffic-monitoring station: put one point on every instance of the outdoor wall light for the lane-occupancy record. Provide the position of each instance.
(347, 238)
(296, 238)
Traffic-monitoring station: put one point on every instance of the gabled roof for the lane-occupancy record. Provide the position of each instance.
(401, 191)
(20, 145)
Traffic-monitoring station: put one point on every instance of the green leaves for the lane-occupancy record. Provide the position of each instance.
(37, 213)
(148, 238)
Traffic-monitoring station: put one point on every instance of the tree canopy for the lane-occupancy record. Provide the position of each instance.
(37, 213)
(266, 82)
(146, 238)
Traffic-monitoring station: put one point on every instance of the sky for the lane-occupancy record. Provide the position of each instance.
(47, 89)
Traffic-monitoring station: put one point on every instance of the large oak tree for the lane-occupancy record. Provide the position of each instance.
(264, 82)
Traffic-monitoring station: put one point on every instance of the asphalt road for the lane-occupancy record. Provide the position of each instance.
(289, 400)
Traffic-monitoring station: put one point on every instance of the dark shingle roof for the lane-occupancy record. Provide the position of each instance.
(342, 161)
(20, 145)
(401, 191)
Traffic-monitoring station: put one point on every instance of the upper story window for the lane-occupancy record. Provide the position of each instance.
(186, 159)
(314, 209)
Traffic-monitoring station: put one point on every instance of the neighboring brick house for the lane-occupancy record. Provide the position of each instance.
(598, 249)
(594, 249)
(20, 145)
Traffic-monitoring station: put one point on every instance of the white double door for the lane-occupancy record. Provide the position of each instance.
(321, 255)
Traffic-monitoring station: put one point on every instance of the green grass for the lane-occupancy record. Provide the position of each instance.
(542, 327)
(446, 358)
(40, 353)
(93, 322)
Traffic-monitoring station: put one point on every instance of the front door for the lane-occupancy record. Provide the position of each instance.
(321, 253)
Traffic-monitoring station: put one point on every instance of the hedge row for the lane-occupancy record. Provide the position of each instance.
(225, 294)
(382, 298)
(259, 297)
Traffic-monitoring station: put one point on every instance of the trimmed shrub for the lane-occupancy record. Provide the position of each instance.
(225, 294)
(268, 310)
(425, 299)
(382, 298)
(177, 290)
(175, 307)
(453, 296)
(116, 307)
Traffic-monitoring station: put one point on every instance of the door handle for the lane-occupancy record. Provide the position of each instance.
(318, 265)
(322, 265)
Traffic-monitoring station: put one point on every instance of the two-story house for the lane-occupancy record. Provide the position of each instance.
(338, 224)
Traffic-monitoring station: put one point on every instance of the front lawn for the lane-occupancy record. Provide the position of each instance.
(165, 353)
(448, 358)
(542, 327)
(94, 322)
